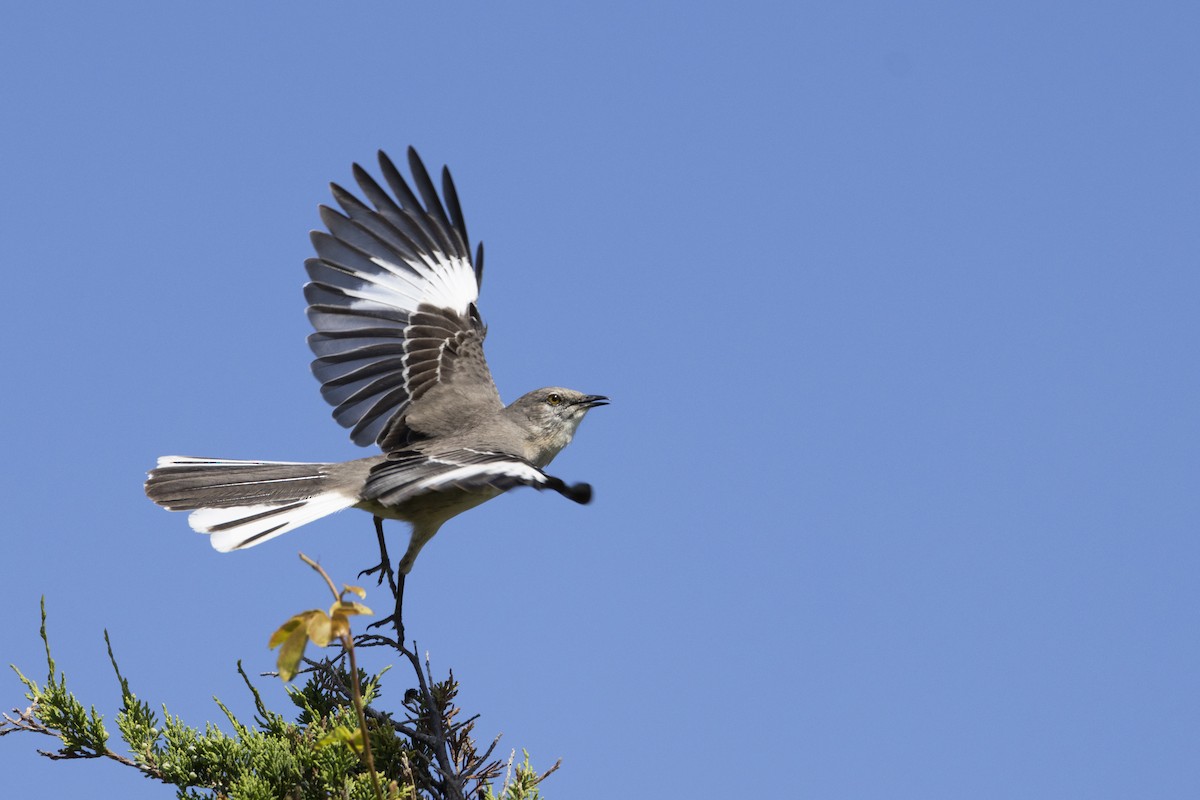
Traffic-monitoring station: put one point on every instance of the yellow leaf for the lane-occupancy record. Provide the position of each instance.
(358, 590)
(347, 608)
(318, 629)
(339, 626)
(290, 654)
(286, 628)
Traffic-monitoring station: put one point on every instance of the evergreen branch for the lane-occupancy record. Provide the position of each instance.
(428, 753)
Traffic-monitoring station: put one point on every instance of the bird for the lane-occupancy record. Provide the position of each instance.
(398, 350)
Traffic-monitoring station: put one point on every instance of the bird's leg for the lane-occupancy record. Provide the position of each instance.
(398, 619)
(397, 616)
(384, 567)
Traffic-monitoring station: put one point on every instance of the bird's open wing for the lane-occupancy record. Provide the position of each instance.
(408, 474)
(399, 340)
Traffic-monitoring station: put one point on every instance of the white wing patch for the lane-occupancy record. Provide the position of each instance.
(380, 272)
(446, 283)
(496, 469)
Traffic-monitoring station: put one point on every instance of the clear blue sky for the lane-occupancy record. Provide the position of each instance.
(897, 304)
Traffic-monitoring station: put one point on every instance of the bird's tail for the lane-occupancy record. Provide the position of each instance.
(244, 503)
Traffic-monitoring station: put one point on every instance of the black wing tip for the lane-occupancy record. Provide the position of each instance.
(360, 172)
(327, 214)
(384, 159)
(414, 160)
(579, 492)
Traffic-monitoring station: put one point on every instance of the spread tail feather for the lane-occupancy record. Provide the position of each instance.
(244, 503)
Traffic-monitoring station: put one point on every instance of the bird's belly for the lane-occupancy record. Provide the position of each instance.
(432, 508)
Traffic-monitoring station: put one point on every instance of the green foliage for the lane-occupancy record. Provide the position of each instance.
(82, 732)
(520, 784)
(426, 753)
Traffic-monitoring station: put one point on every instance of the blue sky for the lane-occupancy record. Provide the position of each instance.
(897, 305)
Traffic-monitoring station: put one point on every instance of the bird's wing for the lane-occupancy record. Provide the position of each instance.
(399, 340)
(409, 473)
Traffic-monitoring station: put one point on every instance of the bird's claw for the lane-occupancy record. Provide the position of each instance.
(390, 619)
(384, 569)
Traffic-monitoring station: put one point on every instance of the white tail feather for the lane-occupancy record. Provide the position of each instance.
(239, 527)
(183, 461)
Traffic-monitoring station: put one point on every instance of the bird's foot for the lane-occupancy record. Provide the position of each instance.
(384, 568)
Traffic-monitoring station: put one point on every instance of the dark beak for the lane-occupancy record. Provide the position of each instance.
(593, 400)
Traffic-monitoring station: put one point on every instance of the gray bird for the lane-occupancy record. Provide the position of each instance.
(399, 354)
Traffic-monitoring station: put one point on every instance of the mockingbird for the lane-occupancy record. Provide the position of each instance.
(399, 354)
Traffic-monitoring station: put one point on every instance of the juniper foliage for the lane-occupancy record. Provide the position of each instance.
(423, 750)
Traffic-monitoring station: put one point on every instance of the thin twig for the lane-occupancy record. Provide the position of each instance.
(442, 751)
(323, 574)
(550, 771)
(362, 719)
(27, 721)
(356, 696)
(387, 719)
(491, 747)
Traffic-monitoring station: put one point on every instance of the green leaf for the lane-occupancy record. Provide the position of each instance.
(358, 590)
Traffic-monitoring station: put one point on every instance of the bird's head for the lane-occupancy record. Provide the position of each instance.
(550, 416)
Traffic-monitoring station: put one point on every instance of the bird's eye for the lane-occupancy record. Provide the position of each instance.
(554, 398)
